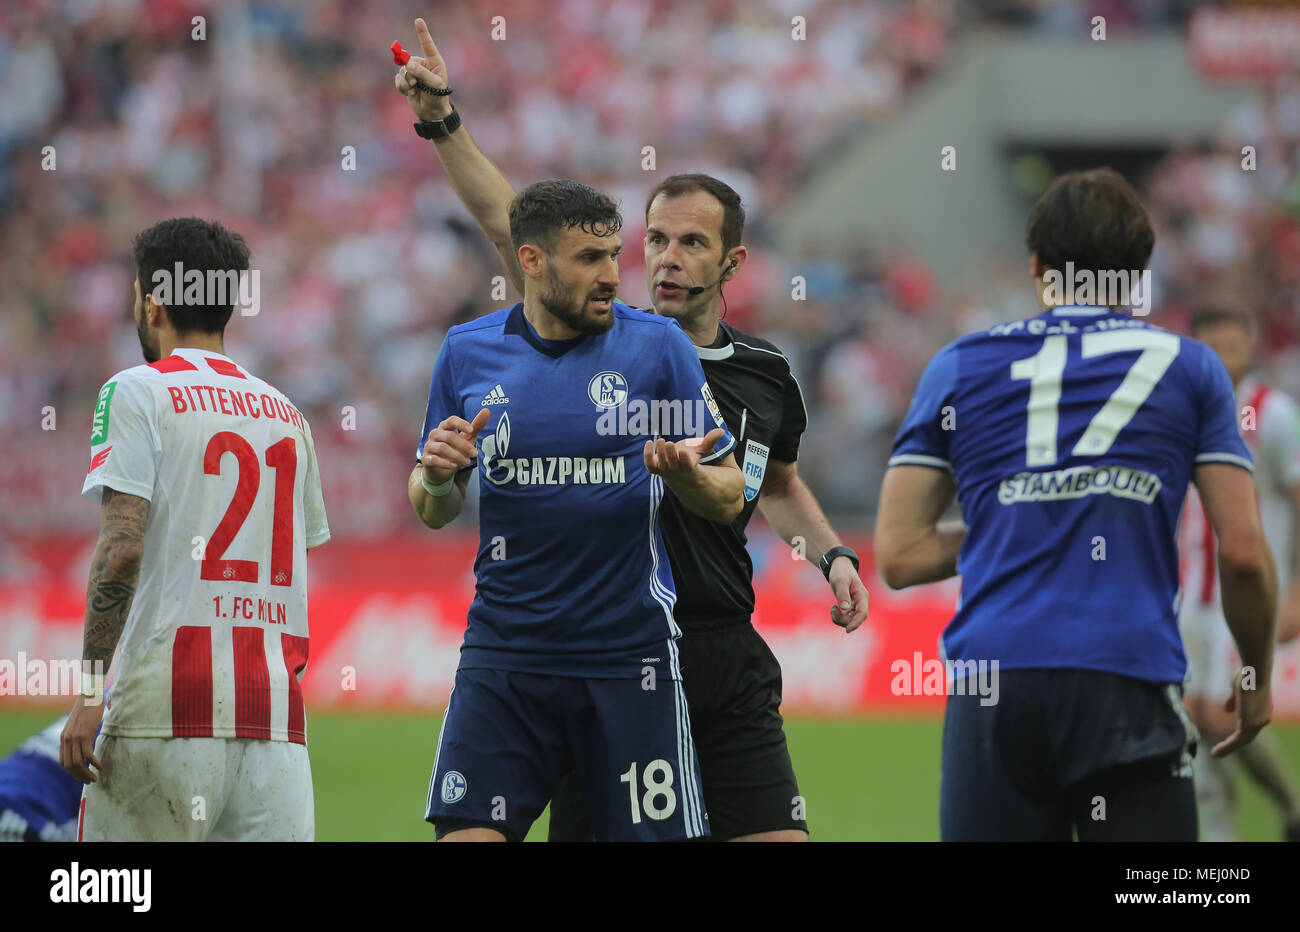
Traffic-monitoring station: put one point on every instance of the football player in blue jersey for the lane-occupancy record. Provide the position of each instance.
(1070, 439)
(693, 247)
(38, 798)
(570, 657)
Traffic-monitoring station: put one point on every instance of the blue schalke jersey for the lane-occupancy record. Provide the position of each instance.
(1071, 438)
(573, 578)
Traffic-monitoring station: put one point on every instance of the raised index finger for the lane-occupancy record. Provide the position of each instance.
(426, 40)
(480, 421)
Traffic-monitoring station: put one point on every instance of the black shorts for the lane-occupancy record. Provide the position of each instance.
(733, 691)
(1068, 751)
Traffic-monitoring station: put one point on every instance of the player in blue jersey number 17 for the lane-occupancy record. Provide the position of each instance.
(1070, 439)
(570, 660)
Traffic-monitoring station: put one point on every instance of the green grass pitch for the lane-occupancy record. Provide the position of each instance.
(862, 779)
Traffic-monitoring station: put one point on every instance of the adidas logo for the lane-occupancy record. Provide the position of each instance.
(495, 397)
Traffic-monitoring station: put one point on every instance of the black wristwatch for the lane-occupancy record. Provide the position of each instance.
(831, 555)
(438, 129)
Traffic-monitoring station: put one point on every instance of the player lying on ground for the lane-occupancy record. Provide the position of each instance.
(205, 737)
(733, 684)
(38, 798)
(570, 657)
(1270, 423)
(1069, 440)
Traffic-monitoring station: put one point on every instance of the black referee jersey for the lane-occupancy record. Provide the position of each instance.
(762, 404)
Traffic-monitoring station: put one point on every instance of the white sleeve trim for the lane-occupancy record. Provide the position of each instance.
(718, 454)
(916, 459)
(1226, 458)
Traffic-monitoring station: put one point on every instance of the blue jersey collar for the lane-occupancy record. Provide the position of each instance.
(518, 324)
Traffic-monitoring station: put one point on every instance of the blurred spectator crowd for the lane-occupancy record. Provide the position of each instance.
(283, 124)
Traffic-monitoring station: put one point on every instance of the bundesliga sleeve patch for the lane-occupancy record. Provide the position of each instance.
(713, 405)
(99, 433)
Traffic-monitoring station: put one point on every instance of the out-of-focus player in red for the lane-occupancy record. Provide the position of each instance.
(1270, 423)
(210, 496)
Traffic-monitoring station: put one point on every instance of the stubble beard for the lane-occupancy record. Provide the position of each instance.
(560, 304)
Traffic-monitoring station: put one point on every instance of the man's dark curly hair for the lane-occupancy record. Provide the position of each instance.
(200, 245)
(541, 211)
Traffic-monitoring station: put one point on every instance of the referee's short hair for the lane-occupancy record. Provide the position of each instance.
(1092, 218)
(733, 211)
(542, 210)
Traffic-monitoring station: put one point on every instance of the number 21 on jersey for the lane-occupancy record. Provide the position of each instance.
(282, 457)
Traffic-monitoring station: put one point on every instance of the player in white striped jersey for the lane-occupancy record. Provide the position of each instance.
(210, 496)
(1270, 424)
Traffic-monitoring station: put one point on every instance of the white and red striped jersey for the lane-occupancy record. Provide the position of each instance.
(1270, 422)
(215, 642)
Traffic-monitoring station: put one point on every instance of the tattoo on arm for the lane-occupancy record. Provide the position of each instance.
(114, 572)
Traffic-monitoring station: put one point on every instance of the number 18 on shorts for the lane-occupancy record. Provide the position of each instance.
(508, 738)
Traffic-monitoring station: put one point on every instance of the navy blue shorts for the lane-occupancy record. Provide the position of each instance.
(733, 687)
(508, 738)
(1068, 752)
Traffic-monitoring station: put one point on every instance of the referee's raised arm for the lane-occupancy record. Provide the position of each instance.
(478, 183)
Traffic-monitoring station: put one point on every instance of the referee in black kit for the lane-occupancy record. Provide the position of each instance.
(694, 225)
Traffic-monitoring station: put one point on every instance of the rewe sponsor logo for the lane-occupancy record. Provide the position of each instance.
(103, 885)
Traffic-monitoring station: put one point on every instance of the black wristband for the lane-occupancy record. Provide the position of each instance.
(830, 556)
(438, 129)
